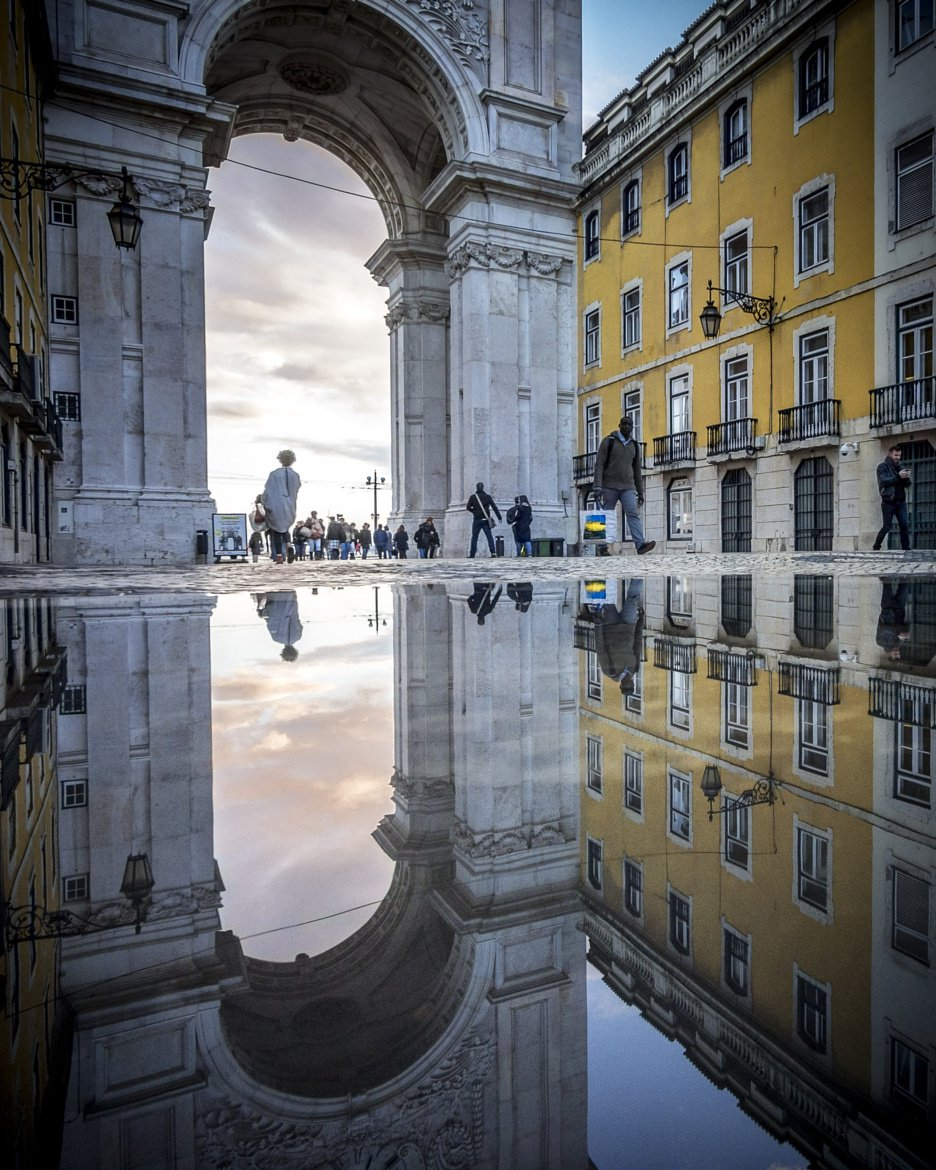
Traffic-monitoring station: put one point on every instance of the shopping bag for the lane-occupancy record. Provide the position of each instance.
(598, 525)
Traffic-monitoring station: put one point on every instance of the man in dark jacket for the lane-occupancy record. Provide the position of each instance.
(892, 480)
(619, 638)
(619, 476)
(481, 505)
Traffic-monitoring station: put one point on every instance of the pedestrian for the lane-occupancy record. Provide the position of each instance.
(255, 544)
(334, 535)
(520, 519)
(300, 539)
(521, 594)
(893, 479)
(481, 505)
(280, 611)
(382, 542)
(892, 628)
(619, 476)
(619, 638)
(347, 544)
(365, 538)
(279, 503)
(316, 536)
(401, 542)
(427, 538)
(483, 599)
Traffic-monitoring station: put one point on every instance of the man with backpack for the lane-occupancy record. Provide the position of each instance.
(619, 476)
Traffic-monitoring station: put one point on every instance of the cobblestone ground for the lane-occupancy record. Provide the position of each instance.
(239, 576)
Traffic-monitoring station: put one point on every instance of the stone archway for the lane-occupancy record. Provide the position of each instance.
(463, 118)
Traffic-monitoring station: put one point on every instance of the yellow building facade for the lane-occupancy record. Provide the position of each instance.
(30, 429)
(787, 940)
(745, 158)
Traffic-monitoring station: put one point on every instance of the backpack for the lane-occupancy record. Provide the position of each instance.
(513, 514)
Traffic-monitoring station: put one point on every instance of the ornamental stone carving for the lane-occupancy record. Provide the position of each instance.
(164, 195)
(309, 75)
(228, 1133)
(419, 312)
(502, 844)
(461, 27)
(408, 787)
(485, 255)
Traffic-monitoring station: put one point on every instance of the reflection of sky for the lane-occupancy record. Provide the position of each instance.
(650, 1109)
(302, 758)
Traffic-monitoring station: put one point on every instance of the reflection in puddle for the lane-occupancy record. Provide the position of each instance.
(726, 782)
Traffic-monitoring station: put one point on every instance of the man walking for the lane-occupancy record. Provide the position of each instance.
(893, 479)
(619, 476)
(481, 505)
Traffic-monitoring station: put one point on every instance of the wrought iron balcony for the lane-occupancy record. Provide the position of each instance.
(26, 374)
(46, 428)
(813, 420)
(583, 635)
(6, 358)
(902, 702)
(678, 448)
(669, 654)
(904, 402)
(583, 467)
(724, 666)
(737, 435)
(819, 684)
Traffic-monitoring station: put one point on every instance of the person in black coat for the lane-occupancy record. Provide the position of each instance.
(481, 506)
(401, 542)
(893, 479)
(520, 519)
(427, 538)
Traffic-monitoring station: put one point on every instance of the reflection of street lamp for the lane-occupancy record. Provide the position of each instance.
(763, 792)
(31, 923)
(374, 622)
(760, 308)
(18, 178)
(372, 481)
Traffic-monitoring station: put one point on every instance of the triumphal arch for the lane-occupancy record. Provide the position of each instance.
(464, 119)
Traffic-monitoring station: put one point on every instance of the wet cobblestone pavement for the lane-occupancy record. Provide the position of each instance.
(237, 576)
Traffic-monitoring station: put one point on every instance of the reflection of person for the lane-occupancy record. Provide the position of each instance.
(892, 628)
(279, 503)
(280, 611)
(619, 476)
(893, 479)
(521, 594)
(483, 599)
(619, 637)
(520, 519)
(481, 505)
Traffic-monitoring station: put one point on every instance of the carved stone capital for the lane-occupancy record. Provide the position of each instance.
(464, 31)
(149, 193)
(409, 787)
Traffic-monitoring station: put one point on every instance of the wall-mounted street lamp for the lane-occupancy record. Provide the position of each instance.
(31, 923)
(17, 179)
(760, 308)
(763, 792)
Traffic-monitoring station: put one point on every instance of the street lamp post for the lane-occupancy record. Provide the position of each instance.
(374, 482)
(18, 179)
(760, 308)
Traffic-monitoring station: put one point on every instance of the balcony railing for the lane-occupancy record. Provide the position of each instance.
(6, 359)
(668, 654)
(678, 448)
(724, 666)
(819, 684)
(583, 635)
(26, 373)
(902, 702)
(736, 435)
(903, 403)
(813, 420)
(583, 466)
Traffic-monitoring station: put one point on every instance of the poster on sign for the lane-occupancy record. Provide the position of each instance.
(598, 526)
(229, 535)
(595, 591)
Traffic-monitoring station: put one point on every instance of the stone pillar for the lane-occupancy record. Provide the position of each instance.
(417, 317)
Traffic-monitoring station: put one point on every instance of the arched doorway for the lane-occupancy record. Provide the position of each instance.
(463, 126)
(813, 502)
(736, 511)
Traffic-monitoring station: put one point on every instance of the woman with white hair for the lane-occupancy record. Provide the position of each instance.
(279, 503)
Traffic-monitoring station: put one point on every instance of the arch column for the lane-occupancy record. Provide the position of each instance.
(417, 318)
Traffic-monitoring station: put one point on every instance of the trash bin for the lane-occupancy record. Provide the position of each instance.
(548, 546)
(498, 546)
(201, 543)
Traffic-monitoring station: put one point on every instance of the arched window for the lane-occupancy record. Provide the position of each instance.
(678, 173)
(631, 207)
(813, 498)
(736, 519)
(735, 136)
(592, 235)
(814, 78)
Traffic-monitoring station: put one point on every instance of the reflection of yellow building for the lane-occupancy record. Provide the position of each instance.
(30, 431)
(30, 1030)
(789, 945)
(744, 158)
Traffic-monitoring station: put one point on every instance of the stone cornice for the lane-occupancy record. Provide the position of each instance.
(476, 254)
(500, 844)
(419, 312)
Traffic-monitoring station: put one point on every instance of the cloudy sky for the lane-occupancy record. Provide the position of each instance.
(297, 346)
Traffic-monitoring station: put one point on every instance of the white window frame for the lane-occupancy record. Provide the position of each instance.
(677, 491)
(592, 420)
(740, 99)
(62, 212)
(687, 197)
(679, 806)
(808, 191)
(919, 37)
(633, 702)
(812, 328)
(594, 765)
(593, 677)
(809, 845)
(74, 794)
(678, 925)
(632, 312)
(802, 1035)
(683, 260)
(75, 887)
(679, 600)
(683, 376)
(634, 907)
(591, 239)
(917, 1062)
(728, 983)
(923, 365)
(813, 753)
(591, 336)
(64, 310)
(632, 408)
(737, 727)
(632, 786)
(744, 263)
(737, 393)
(827, 33)
(594, 862)
(633, 182)
(914, 760)
(736, 837)
(910, 930)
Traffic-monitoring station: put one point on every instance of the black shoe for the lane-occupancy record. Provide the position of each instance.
(647, 546)
(875, 548)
